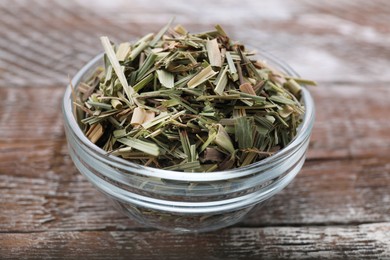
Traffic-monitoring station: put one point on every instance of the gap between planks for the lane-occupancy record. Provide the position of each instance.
(234, 227)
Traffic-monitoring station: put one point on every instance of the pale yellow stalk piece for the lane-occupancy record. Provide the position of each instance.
(123, 51)
(95, 132)
(149, 116)
(138, 117)
(214, 53)
(116, 104)
(201, 77)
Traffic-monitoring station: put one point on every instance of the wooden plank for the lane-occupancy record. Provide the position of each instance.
(351, 121)
(326, 192)
(333, 242)
(319, 40)
(53, 196)
(58, 198)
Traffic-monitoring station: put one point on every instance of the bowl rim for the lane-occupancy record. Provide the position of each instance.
(303, 132)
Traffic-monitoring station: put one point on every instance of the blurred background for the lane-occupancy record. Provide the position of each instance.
(327, 41)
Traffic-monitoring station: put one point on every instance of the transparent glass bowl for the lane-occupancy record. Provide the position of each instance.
(185, 202)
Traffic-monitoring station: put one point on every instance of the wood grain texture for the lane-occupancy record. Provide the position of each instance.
(323, 193)
(338, 207)
(359, 242)
(327, 42)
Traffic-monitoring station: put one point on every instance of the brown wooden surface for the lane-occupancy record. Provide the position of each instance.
(337, 207)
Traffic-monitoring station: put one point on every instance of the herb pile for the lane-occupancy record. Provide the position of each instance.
(188, 102)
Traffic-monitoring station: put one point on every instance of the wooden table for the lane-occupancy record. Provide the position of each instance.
(337, 207)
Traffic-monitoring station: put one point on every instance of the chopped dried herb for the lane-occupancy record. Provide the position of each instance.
(188, 102)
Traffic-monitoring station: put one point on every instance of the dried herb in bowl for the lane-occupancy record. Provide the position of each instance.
(188, 102)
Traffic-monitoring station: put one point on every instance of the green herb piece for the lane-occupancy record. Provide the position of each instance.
(137, 50)
(157, 120)
(118, 70)
(282, 100)
(223, 140)
(99, 105)
(141, 84)
(185, 143)
(143, 146)
(211, 137)
(243, 132)
(221, 82)
(179, 101)
(232, 67)
(302, 81)
(146, 65)
(220, 30)
(166, 78)
(201, 77)
(160, 33)
(184, 166)
(256, 98)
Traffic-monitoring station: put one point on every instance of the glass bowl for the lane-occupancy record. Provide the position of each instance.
(185, 202)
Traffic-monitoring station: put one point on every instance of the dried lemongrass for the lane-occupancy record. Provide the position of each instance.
(214, 53)
(223, 140)
(243, 129)
(115, 103)
(221, 81)
(180, 29)
(95, 132)
(247, 88)
(143, 146)
(123, 51)
(118, 69)
(201, 77)
(293, 86)
(188, 102)
(138, 117)
(149, 116)
(232, 67)
(166, 78)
